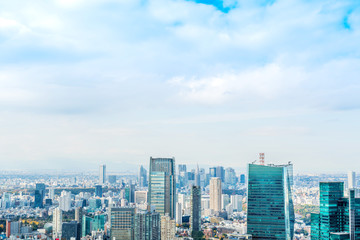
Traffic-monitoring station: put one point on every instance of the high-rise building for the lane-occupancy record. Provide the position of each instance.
(215, 194)
(351, 179)
(51, 193)
(225, 200)
(98, 190)
(130, 193)
(71, 230)
(178, 213)
(79, 214)
(112, 179)
(65, 201)
(197, 176)
(220, 173)
(39, 195)
(270, 206)
(195, 217)
(147, 225)
(230, 176)
(57, 223)
(236, 202)
(143, 182)
(339, 216)
(167, 228)
(162, 185)
(242, 178)
(93, 224)
(122, 223)
(102, 174)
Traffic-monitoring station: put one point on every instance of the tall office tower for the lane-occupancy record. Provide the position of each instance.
(98, 190)
(202, 177)
(57, 223)
(141, 197)
(143, 177)
(178, 214)
(270, 206)
(51, 193)
(197, 176)
(215, 194)
(230, 176)
(71, 230)
(162, 185)
(182, 175)
(351, 179)
(147, 225)
(182, 168)
(102, 174)
(220, 173)
(65, 201)
(225, 200)
(242, 178)
(39, 195)
(339, 216)
(79, 214)
(122, 223)
(167, 228)
(236, 202)
(212, 172)
(195, 216)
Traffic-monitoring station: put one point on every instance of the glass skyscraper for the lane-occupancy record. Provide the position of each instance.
(270, 213)
(339, 216)
(195, 218)
(162, 185)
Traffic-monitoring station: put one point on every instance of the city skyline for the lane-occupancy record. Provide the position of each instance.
(90, 82)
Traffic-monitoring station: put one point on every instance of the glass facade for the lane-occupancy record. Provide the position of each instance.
(195, 220)
(338, 214)
(270, 207)
(122, 223)
(147, 226)
(162, 185)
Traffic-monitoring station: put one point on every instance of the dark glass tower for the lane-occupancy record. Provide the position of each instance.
(339, 216)
(39, 195)
(162, 185)
(270, 205)
(195, 221)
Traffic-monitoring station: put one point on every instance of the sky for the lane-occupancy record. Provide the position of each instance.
(213, 82)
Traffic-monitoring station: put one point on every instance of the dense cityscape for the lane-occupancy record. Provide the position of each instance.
(171, 201)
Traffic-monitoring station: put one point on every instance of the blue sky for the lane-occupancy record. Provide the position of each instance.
(84, 82)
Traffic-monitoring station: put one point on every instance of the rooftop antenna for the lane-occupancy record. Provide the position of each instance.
(262, 158)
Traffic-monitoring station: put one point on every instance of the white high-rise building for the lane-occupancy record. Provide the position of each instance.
(57, 223)
(225, 200)
(351, 179)
(167, 228)
(102, 174)
(236, 202)
(51, 193)
(215, 194)
(140, 197)
(178, 213)
(65, 201)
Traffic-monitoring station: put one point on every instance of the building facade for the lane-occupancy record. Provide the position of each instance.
(195, 216)
(215, 194)
(162, 185)
(102, 174)
(270, 213)
(122, 223)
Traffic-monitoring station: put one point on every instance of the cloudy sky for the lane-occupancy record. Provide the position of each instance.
(84, 82)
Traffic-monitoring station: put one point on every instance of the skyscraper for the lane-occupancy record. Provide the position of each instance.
(143, 177)
(220, 173)
(162, 185)
(167, 228)
(147, 225)
(98, 190)
(215, 194)
(102, 174)
(122, 223)
(197, 176)
(195, 216)
(39, 195)
(338, 214)
(351, 179)
(270, 206)
(57, 223)
(71, 230)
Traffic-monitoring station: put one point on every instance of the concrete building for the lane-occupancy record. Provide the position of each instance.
(215, 194)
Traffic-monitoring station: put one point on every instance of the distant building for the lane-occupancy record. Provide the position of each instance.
(98, 190)
(242, 178)
(112, 179)
(39, 195)
(140, 197)
(230, 176)
(195, 216)
(351, 179)
(339, 216)
(13, 228)
(178, 213)
(102, 174)
(236, 202)
(122, 223)
(130, 193)
(215, 194)
(79, 214)
(65, 201)
(162, 185)
(167, 228)
(57, 223)
(71, 231)
(197, 176)
(270, 212)
(225, 200)
(143, 179)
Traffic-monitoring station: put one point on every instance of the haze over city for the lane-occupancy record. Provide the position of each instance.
(208, 82)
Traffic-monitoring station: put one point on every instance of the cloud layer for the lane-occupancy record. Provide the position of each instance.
(113, 81)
